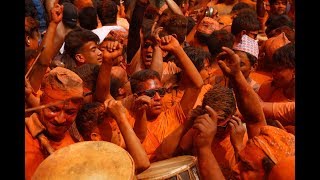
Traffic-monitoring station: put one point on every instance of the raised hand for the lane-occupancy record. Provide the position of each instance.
(57, 13)
(110, 50)
(237, 133)
(169, 43)
(155, 32)
(229, 62)
(141, 103)
(206, 127)
(116, 109)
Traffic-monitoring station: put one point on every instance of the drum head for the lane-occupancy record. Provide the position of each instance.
(87, 160)
(167, 168)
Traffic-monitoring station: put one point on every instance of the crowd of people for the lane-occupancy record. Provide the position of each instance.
(160, 79)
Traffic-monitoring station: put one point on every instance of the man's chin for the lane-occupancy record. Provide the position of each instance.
(147, 64)
(56, 135)
(154, 113)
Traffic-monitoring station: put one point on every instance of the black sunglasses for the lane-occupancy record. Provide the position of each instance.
(152, 92)
(147, 44)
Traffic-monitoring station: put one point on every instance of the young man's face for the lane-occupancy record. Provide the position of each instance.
(282, 77)
(245, 65)
(207, 73)
(91, 53)
(146, 53)
(279, 7)
(151, 88)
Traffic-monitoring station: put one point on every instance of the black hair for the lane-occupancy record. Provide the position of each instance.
(141, 76)
(197, 56)
(88, 18)
(76, 38)
(245, 21)
(276, 21)
(218, 39)
(107, 11)
(285, 56)
(88, 118)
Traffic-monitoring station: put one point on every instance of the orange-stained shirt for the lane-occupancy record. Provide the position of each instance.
(260, 76)
(224, 153)
(116, 136)
(272, 142)
(284, 112)
(175, 96)
(35, 153)
(221, 148)
(161, 127)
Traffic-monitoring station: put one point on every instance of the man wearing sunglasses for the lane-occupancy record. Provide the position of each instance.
(158, 132)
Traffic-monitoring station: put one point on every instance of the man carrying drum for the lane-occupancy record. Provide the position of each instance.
(46, 130)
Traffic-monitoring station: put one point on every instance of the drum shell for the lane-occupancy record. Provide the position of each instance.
(184, 167)
(87, 160)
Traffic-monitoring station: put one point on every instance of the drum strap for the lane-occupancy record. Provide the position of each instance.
(36, 129)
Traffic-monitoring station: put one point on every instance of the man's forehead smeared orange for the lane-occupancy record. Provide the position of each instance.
(62, 83)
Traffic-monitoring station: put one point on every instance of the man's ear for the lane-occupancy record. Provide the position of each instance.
(206, 62)
(254, 66)
(95, 136)
(121, 91)
(27, 40)
(243, 32)
(294, 74)
(80, 58)
(175, 36)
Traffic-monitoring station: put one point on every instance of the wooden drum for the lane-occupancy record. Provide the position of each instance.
(176, 168)
(87, 160)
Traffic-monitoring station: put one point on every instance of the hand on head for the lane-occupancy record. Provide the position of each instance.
(115, 108)
(206, 127)
(237, 133)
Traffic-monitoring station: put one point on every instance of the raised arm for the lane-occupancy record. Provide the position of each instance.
(247, 100)
(133, 145)
(261, 12)
(157, 59)
(171, 44)
(282, 111)
(174, 7)
(30, 99)
(134, 29)
(140, 106)
(48, 53)
(169, 145)
(110, 50)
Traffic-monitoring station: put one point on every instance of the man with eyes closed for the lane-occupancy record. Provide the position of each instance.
(47, 129)
(158, 129)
